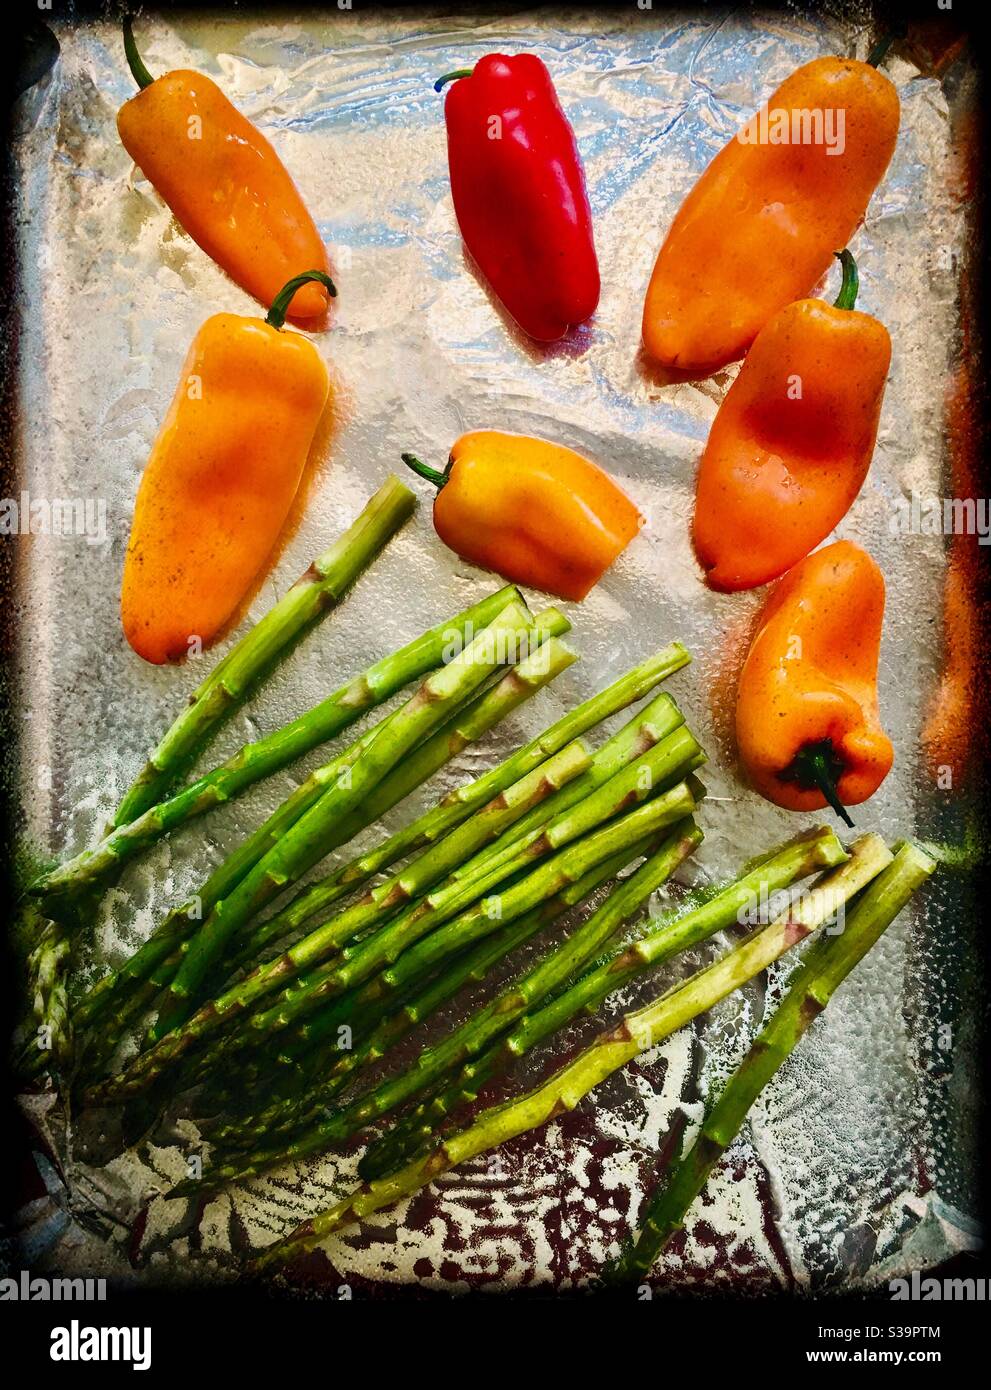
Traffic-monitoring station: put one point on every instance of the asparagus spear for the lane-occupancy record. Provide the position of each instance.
(321, 1072)
(667, 808)
(384, 901)
(336, 1068)
(268, 755)
(824, 968)
(157, 958)
(345, 1005)
(636, 1032)
(667, 937)
(564, 869)
(455, 808)
(646, 756)
(319, 590)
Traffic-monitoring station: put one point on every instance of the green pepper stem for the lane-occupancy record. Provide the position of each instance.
(879, 52)
(452, 76)
(139, 72)
(816, 765)
(425, 471)
(276, 316)
(850, 287)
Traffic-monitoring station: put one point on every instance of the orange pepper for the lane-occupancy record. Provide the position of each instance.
(220, 480)
(760, 226)
(792, 441)
(807, 725)
(536, 513)
(223, 181)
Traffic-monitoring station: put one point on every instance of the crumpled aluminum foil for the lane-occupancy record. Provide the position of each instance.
(841, 1175)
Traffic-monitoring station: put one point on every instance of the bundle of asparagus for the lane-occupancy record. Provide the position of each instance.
(156, 966)
(892, 879)
(132, 989)
(421, 916)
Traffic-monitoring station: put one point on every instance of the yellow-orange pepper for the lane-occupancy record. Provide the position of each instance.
(760, 226)
(536, 513)
(223, 181)
(807, 724)
(221, 478)
(792, 441)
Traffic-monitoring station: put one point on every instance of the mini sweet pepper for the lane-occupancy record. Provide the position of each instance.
(762, 223)
(223, 181)
(536, 513)
(519, 192)
(807, 724)
(221, 478)
(792, 441)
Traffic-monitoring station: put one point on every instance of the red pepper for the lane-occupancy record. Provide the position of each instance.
(519, 193)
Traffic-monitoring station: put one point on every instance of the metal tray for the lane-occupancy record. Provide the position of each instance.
(858, 1163)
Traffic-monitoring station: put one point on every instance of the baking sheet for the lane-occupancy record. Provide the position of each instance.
(841, 1176)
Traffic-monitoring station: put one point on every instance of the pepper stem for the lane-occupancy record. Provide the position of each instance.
(452, 76)
(276, 316)
(425, 471)
(139, 72)
(847, 296)
(816, 765)
(879, 52)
